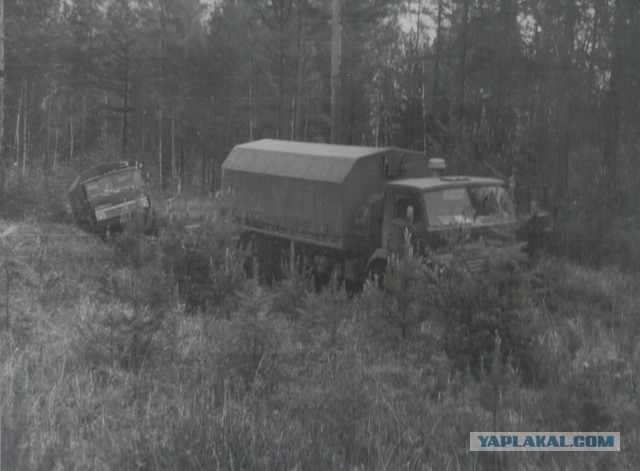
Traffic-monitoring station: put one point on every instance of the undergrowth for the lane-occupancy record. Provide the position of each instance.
(110, 360)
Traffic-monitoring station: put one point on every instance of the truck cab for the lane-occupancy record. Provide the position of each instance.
(109, 197)
(432, 208)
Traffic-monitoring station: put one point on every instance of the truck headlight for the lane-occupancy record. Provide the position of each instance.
(144, 201)
(101, 215)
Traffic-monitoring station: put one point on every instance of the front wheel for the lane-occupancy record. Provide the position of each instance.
(377, 272)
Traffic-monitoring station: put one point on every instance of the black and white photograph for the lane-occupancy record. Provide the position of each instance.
(320, 235)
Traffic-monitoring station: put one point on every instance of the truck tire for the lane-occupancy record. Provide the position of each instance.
(377, 272)
(246, 247)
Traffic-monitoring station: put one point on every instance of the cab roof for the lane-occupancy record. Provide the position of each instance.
(455, 181)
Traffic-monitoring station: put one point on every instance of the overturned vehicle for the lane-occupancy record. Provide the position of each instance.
(111, 197)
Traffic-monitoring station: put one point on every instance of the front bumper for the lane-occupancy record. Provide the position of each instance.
(137, 221)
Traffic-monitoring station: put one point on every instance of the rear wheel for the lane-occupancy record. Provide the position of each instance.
(246, 249)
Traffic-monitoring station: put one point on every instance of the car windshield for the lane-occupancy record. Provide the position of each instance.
(114, 183)
(467, 205)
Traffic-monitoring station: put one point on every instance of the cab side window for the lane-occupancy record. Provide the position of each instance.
(401, 202)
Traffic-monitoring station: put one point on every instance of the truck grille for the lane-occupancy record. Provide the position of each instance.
(119, 210)
(475, 264)
(112, 213)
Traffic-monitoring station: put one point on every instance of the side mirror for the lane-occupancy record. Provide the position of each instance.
(410, 215)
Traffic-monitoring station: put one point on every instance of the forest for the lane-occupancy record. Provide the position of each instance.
(165, 352)
(545, 92)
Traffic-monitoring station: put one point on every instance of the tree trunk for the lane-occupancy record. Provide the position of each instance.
(24, 127)
(424, 102)
(160, 146)
(436, 65)
(16, 143)
(163, 88)
(212, 176)
(203, 170)
(183, 164)
(2, 154)
(143, 132)
(612, 107)
(251, 103)
(174, 168)
(180, 166)
(84, 124)
(462, 72)
(297, 97)
(306, 119)
(281, 74)
(566, 113)
(336, 65)
(55, 153)
(47, 153)
(463, 61)
(126, 105)
(378, 120)
(71, 139)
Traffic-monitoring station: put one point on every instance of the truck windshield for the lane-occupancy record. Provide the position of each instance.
(114, 183)
(467, 205)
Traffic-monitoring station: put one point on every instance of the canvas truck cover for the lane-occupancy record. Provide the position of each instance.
(310, 192)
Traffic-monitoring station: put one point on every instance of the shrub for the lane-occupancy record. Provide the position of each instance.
(589, 232)
(410, 293)
(620, 246)
(292, 291)
(322, 314)
(134, 302)
(488, 304)
(36, 195)
(249, 350)
(205, 261)
(347, 405)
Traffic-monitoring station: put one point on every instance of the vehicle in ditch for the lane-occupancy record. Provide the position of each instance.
(347, 208)
(109, 197)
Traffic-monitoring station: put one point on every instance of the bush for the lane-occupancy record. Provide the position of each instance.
(203, 256)
(134, 303)
(321, 315)
(36, 195)
(293, 290)
(250, 349)
(110, 378)
(587, 232)
(410, 294)
(620, 246)
(492, 303)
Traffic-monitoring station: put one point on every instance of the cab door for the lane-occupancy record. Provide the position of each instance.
(402, 210)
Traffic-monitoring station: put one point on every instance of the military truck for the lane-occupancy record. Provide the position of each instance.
(347, 208)
(108, 197)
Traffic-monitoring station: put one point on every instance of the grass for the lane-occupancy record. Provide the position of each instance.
(86, 384)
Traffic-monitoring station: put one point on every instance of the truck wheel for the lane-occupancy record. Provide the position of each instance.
(377, 272)
(246, 249)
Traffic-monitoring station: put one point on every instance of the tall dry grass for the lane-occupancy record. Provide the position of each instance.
(95, 374)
